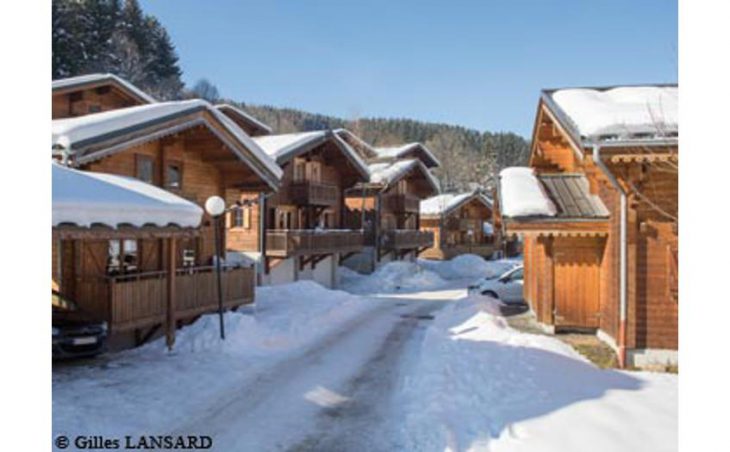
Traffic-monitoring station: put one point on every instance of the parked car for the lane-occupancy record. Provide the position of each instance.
(507, 288)
(75, 334)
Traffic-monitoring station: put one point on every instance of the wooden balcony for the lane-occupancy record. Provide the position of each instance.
(139, 300)
(313, 194)
(401, 239)
(297, 242)
(402, 204)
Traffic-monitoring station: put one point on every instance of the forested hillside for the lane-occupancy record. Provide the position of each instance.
(117, 36)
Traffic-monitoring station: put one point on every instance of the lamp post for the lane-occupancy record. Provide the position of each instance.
(216, 206)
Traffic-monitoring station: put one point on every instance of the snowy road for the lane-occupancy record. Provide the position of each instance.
(337, 395)
(403, 361)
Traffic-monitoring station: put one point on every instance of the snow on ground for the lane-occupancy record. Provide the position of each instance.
(469, 266)
(480, 385)
(391, 277)
(133, 391)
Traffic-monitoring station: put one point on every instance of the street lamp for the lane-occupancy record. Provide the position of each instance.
(216, 206)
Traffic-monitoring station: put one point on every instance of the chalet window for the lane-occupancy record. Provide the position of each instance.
(188, 257)
(122, 257)
(299, 171)
(94, 108)
(315, 173)
(145, 169)
(173, 176)
(242, 217)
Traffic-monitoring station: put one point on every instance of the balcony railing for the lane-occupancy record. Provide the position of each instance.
(313, 194)
(140, 300)
(399, 239)
(400, 204)
(291, 242)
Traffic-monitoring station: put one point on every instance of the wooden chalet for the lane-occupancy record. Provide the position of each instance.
(127, 275)
(603, 254)
(387, 209)
(460, 223)
(302, 233)
(94, 93)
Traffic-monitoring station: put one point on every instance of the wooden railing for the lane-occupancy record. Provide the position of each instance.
(290, 242)
(399, 239)
(402, 203)
(197, 291)
(139, 300)
(313, 194)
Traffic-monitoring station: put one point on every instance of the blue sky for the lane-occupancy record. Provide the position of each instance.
(479, 64)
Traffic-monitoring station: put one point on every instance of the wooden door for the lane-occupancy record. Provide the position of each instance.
(577, 279)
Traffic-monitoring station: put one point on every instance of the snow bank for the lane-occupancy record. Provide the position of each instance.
(469, 266)
(85, 198)
(522, 194)
(391, 277)
(480, 385)
(142, 384)
(623, 111)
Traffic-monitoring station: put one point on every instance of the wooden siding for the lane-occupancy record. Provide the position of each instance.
(652, 243)
(81, 102)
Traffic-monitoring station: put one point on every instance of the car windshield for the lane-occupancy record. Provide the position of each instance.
(513, 275)
(61, 303)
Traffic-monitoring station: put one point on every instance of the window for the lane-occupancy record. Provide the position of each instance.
(94, 108)
(188, 257)
(145, 169)
(173, 176)
(299, 171)
(122, 257)
(238, 215)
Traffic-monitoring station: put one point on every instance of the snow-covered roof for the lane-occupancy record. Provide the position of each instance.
(522, 194)
(282, 147)
(228, 108)
(365, 149)
(447, 202)
(395, 152)
(388, 173)
(286, 146)
(86, 198)
(618, 113)
(81, 80)
(74, 133)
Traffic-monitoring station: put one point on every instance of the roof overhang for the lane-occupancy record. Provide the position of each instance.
(91, 81)
(135, 133)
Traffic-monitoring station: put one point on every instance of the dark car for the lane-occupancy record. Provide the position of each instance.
(75, 333)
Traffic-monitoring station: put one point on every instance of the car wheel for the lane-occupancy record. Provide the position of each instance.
(490, 293)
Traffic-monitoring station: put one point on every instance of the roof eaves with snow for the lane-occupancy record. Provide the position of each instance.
(86, 199)
(365, 150)
(246, 117)
(561, 197)
(387, 174)
(619, 133)
(91, 80)
(287, 146)
(97, 135)
(396, 152)
(444, 204)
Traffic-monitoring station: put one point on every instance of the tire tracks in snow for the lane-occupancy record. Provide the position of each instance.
(279, 406)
